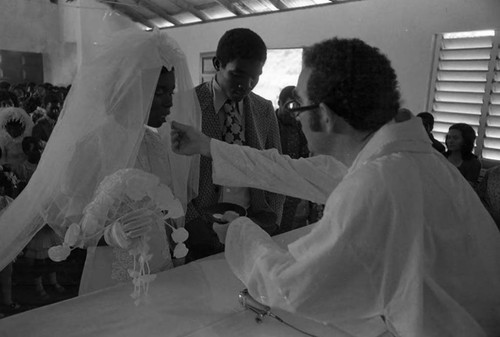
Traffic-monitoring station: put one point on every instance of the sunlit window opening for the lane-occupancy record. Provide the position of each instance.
(282, 68)
(476, 33)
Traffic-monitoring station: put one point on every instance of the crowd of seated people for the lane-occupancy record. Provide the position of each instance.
(27, 110)
(28, 113)
(41, 102)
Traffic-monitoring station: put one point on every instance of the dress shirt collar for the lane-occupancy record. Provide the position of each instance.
(219, 96)
(150, 128)
(150, 132)
(408, 136)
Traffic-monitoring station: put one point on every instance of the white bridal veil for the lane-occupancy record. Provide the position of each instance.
(99, 131)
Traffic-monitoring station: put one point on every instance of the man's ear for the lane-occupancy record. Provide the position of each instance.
(216, 63)
(332, 123)
(327, 118)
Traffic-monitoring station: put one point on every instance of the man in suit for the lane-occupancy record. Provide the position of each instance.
(233, 113)
(428, 122)
(294, 144)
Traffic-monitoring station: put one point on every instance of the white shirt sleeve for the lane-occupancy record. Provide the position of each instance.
(311, 179)
(344, 271)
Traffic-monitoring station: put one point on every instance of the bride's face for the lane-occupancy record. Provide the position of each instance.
(162, 101)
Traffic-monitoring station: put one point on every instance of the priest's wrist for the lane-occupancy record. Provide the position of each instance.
(205, 146)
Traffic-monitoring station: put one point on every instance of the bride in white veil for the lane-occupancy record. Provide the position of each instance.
(100, 130)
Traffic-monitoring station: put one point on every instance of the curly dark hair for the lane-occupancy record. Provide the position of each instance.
(286, 94)
(8, 95)
(51, 97)
(7, 183)
(353, 79)
(240, 43)
(30, 104)
(30, 143)
(468, 136)
(4, 85)
(427, 119)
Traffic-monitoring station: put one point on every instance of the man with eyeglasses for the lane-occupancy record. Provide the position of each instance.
(404, 248)
(293, 144)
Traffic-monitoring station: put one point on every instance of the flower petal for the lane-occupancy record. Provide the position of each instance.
(180, 235)
(59, 253)
(175, 210)
(180, 250)
(163, 197)
(72, 235)
(90, 225)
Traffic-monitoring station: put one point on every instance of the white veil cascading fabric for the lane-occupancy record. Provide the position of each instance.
(99, 131)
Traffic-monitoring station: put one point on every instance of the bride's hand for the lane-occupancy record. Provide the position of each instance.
(137, 223)
(131, 226)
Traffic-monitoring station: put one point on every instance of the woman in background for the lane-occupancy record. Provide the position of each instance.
(460, 143)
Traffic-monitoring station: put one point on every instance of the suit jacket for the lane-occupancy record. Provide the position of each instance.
(261, 132)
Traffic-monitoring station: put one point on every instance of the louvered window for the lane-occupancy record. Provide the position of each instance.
(465, 87)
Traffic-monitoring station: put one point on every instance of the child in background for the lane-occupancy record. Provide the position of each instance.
(32, 148)
(45, 124)
(36, 252)
(36, 255)
(6, 191)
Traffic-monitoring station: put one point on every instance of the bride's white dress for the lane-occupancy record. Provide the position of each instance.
(101, 130)
(106, 266)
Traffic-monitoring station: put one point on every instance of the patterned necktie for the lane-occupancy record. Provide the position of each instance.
(233, 128)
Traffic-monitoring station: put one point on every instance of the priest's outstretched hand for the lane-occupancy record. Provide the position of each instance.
(187, 140)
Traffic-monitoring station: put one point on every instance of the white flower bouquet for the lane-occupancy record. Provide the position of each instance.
(119, 194)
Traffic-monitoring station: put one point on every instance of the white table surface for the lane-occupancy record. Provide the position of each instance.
(197, 299)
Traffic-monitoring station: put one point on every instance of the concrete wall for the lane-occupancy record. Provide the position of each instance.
(64, 33)
(37, 26)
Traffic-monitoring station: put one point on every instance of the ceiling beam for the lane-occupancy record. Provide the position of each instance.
(191, 9)
(279, 4)
(158, 10)
(130, 12)
(227, 4)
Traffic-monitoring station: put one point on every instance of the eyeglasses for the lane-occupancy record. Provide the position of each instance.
(294, 108)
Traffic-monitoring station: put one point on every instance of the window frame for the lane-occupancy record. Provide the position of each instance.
(493, 67)
(207, 70)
